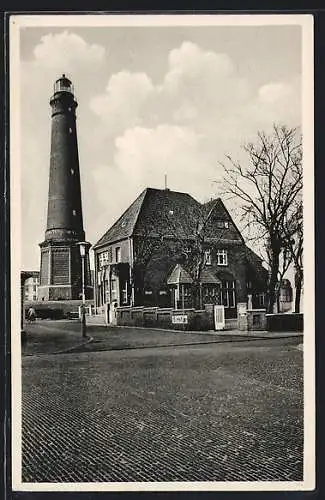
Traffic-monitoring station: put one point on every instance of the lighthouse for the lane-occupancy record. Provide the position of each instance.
(61, 264)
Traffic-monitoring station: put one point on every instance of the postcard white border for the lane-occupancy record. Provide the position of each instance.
(94, 20)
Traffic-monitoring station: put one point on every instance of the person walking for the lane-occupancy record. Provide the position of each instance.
(31, 314)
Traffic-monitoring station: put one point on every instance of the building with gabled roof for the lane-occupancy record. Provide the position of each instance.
(31, 285)
(150, 255)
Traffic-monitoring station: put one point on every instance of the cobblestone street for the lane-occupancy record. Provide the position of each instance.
(230, 411)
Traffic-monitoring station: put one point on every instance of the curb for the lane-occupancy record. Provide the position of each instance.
(127, 348)
(155, 346)
(214, 333)
(63, 351)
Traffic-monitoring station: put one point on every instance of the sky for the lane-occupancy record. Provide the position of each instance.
(152, 101)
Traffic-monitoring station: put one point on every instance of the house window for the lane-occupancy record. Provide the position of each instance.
(74, 212)
(103, 259)
(228, 297)
(113, 290)
(226, 224)
(183, 296)
(72, 171)
(70, 130)
(118, 254)
(207, 257)
(261, 299)
(222, 258)
(125, 293)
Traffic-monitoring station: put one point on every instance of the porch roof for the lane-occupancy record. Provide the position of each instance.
(208, 278)
(179, 276)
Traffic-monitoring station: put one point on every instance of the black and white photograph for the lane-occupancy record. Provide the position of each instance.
(162, 252)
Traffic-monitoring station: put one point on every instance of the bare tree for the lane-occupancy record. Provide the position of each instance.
(181, 239)
(145, 246)
(196, 249)
(192, 248)
(285, 260)
(293, 231)
(268, 186)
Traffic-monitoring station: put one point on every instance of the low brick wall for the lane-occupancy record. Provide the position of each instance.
(256, 319)
(169, 318)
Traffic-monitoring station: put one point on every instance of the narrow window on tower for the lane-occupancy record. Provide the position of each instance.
(72, 171)
(207, 257)
(70, 130)
(74, 212)
(117, 254)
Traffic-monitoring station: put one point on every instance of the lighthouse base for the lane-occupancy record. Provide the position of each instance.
(49, 293)
(61, 272)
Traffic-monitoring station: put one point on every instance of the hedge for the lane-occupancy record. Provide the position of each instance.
(293, 322)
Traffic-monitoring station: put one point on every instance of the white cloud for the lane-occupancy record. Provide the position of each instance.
(145, 154)
(189, 63)
(120, 106)
(277, 102)
(66, 50)
(273, 92)
(135, 130)
(182, 126)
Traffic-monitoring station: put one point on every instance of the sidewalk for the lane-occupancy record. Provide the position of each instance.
(230, 332)
(56, 337)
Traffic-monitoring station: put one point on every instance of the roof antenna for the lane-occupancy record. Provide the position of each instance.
(166, 188)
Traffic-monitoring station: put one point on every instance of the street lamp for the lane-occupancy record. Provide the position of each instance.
(83, 248)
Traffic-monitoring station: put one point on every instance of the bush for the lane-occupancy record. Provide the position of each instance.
(199, 322)
(47, 313)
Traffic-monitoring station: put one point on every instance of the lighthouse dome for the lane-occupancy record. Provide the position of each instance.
(63, 84)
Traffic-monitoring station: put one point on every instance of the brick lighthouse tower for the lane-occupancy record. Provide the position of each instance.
(61, 271)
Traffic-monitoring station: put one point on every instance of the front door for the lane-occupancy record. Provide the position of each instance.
(228, 298)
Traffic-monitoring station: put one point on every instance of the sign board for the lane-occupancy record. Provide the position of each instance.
(179, 319)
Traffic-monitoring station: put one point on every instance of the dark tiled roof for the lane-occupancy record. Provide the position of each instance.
(216, 212)
(123, 227)
(209, 277)
(156, 212)
(255, 266)
(167, 213)
(252, 257)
